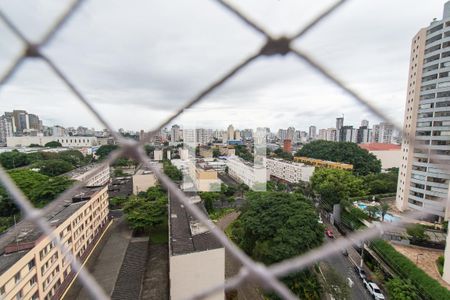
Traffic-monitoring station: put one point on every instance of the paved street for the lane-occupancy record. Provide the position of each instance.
(345, 266)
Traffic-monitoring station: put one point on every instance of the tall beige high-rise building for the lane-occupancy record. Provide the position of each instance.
(423, 184)
(423, 181)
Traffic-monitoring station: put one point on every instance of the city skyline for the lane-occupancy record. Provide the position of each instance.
(154, 81)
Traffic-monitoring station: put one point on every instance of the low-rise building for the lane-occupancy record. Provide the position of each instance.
(158, 155)
(205, 152)
(291, 172)
(227, 150)
(97, 177)
(390, 155)
(31, 267)
(323, 163)
(65, 141)
(143, 179)
(245, 172)
(196, 258)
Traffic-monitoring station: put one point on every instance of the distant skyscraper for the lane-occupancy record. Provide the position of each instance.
(6, 127)
(331, 135)
(175, 133)
(290, 133)
(322, 134)
(364, 123)
(282, 134)
(339, 133)
(312, 132)
(230, 131)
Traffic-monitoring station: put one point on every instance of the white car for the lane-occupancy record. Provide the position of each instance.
(374, 290)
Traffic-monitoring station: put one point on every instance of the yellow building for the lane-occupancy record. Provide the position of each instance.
(31, 266)
(323, 163)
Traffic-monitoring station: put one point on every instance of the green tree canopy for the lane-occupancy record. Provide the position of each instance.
(13, 159)
(171, 171)
(363, 162)
(104, 150)
(53, 144)
(399, 289)
(417, 232)
(284, 155)
(53, 167)
(382, 183)
(39, 188)
(334, 186)
(275, 226)
(143, 213)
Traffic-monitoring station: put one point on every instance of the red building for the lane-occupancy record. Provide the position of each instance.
(287, 146)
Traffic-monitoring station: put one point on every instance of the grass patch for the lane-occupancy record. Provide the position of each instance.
(159, 234)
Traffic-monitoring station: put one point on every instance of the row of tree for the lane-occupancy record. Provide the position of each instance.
(363, 162)
(48, 163)
(40, 189)
(335, 186)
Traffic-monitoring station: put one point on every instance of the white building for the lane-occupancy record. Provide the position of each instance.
(244, 172)
(291, 172)
(66, 141)
(158, 154)
(6, 128)
(98, 177)
(196, 258)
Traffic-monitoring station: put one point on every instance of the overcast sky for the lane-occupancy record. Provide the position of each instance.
(138, 60)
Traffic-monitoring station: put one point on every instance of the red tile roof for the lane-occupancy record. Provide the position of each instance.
(379, 147)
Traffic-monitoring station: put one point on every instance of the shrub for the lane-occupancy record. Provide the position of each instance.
(440, 264)
(428, 287)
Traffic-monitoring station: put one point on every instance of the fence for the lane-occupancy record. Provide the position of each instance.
(266, 276)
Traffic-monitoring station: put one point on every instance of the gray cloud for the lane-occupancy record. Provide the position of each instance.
(138, 60)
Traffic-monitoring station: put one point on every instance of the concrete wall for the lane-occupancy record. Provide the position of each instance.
(194, 272)
(389, 158)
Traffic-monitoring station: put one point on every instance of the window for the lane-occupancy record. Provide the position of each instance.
(436, 28)
(444, 84)
(429, 96)
(426, 106)
(443, 74)
(17, 277)
(33, 280)
(443, 94)
(19, 295)
(430, 77)
(445, 54)
(433, 39)
(445, 64)
(35, 296)
(432, 49)
(31, 264)
(431, 58)
(2, 290)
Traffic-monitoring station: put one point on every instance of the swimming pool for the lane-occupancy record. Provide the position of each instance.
(387, 217)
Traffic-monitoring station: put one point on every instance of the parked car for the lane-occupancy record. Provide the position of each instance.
(361, 273)
(374, 290)
(329, 233)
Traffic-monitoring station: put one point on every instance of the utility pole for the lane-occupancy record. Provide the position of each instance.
(362, 255)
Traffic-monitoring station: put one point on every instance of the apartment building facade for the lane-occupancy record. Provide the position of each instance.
(244, 172)
(289, 171)
(31, 266)
(423, 182)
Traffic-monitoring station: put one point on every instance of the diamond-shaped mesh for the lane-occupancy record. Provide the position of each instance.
(266, 276)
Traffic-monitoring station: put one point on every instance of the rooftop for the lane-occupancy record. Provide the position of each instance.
(187, 234)
(379, 147)
(81, 170)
